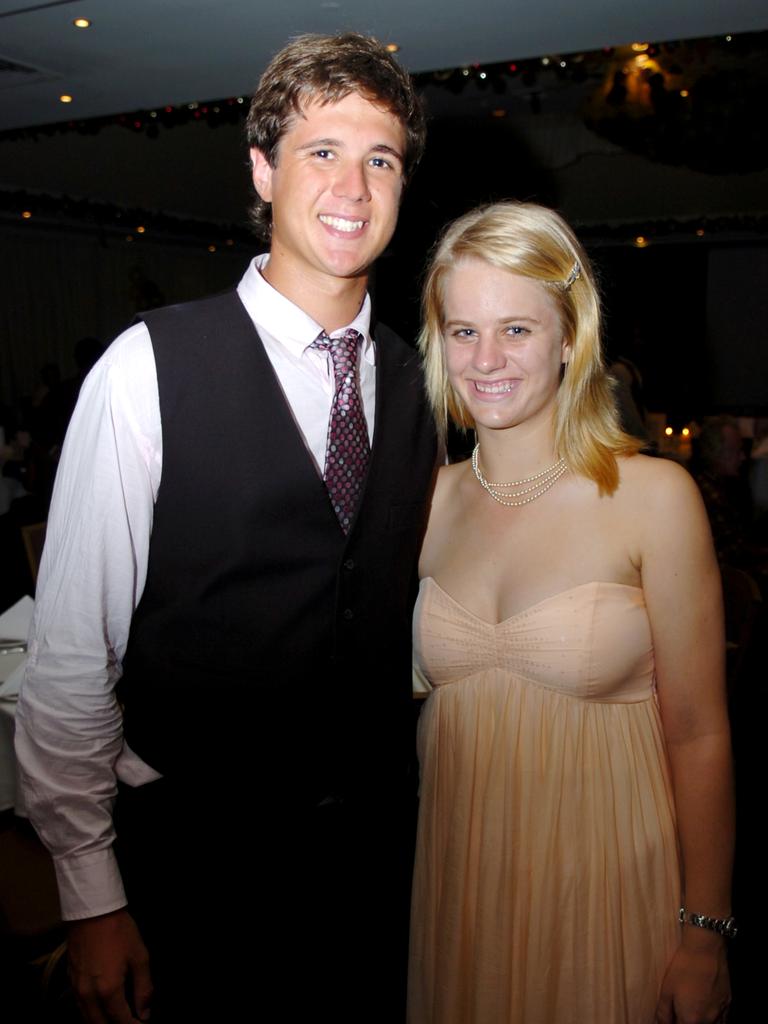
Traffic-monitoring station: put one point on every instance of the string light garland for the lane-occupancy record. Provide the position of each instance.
(102, 217)
(115, 223)
(643, 84)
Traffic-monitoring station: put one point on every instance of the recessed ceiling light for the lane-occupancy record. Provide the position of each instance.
(392, 47)
(65, 98)
(26, 214)
(82, 23)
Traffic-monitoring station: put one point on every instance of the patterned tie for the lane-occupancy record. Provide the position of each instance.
(347, 451)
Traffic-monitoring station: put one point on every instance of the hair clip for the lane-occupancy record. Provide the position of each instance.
(574, 275)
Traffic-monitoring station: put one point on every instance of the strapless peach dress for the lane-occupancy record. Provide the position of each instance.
(546, 884)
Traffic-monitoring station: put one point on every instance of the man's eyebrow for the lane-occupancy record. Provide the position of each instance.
(377, 147)
(383, 147)
(314, 143)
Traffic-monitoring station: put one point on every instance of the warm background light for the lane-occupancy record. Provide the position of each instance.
(82, 23)
(669, 431)
(66, 98)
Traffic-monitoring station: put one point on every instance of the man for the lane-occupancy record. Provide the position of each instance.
(234, 537)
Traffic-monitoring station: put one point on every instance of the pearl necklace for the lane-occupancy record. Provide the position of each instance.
(541, 482)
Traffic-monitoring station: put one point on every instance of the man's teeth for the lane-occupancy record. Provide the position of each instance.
(495, 389)
(339, 224)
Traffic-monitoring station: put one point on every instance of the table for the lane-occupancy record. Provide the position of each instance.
(14, 624)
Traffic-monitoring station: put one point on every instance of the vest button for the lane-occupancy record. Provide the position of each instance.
(349, 564)
(348, 614)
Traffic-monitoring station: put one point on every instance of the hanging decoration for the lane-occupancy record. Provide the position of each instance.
(697, 104)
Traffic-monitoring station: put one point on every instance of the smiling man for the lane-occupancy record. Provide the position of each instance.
(335, 193)
(233, 541)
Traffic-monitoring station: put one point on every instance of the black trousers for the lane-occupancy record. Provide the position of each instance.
(266, 908)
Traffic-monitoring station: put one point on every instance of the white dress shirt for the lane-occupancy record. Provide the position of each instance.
(68, 725)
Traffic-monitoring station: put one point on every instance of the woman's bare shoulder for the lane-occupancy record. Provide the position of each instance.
(656, 478)
(660, 495)
(449, 477)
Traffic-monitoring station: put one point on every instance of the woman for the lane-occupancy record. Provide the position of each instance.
(569, 621)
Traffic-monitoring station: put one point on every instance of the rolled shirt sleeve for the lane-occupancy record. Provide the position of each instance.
(68, 726)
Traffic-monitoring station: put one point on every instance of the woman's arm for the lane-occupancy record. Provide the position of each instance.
(682, 589)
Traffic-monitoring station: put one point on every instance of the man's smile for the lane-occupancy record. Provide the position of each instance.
(341, 223)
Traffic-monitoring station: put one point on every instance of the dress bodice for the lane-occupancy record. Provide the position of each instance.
(591, 642)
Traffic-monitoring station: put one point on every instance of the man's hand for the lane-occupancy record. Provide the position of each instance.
(109, 969)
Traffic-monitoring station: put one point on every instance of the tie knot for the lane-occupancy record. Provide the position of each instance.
(343, 350)
(346, 342)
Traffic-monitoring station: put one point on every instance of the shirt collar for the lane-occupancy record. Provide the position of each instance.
(284, 321)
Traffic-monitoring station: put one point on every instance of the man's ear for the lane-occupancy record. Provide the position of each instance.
(261, 170)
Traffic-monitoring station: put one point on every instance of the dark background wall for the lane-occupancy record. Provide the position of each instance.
(692, 177)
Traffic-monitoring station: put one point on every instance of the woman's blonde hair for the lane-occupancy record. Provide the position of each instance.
(536, 243)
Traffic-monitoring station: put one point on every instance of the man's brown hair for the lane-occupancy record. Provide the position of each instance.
(325, 69)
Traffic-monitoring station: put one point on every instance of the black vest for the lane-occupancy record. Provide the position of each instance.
(266, 641)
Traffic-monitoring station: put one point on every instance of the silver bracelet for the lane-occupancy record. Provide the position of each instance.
(725, 926)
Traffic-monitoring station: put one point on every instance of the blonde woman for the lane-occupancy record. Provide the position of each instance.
(575, 834)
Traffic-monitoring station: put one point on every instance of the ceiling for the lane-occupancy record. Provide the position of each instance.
(139, 54)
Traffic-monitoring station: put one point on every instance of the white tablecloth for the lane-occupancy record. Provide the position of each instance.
(14, 625)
